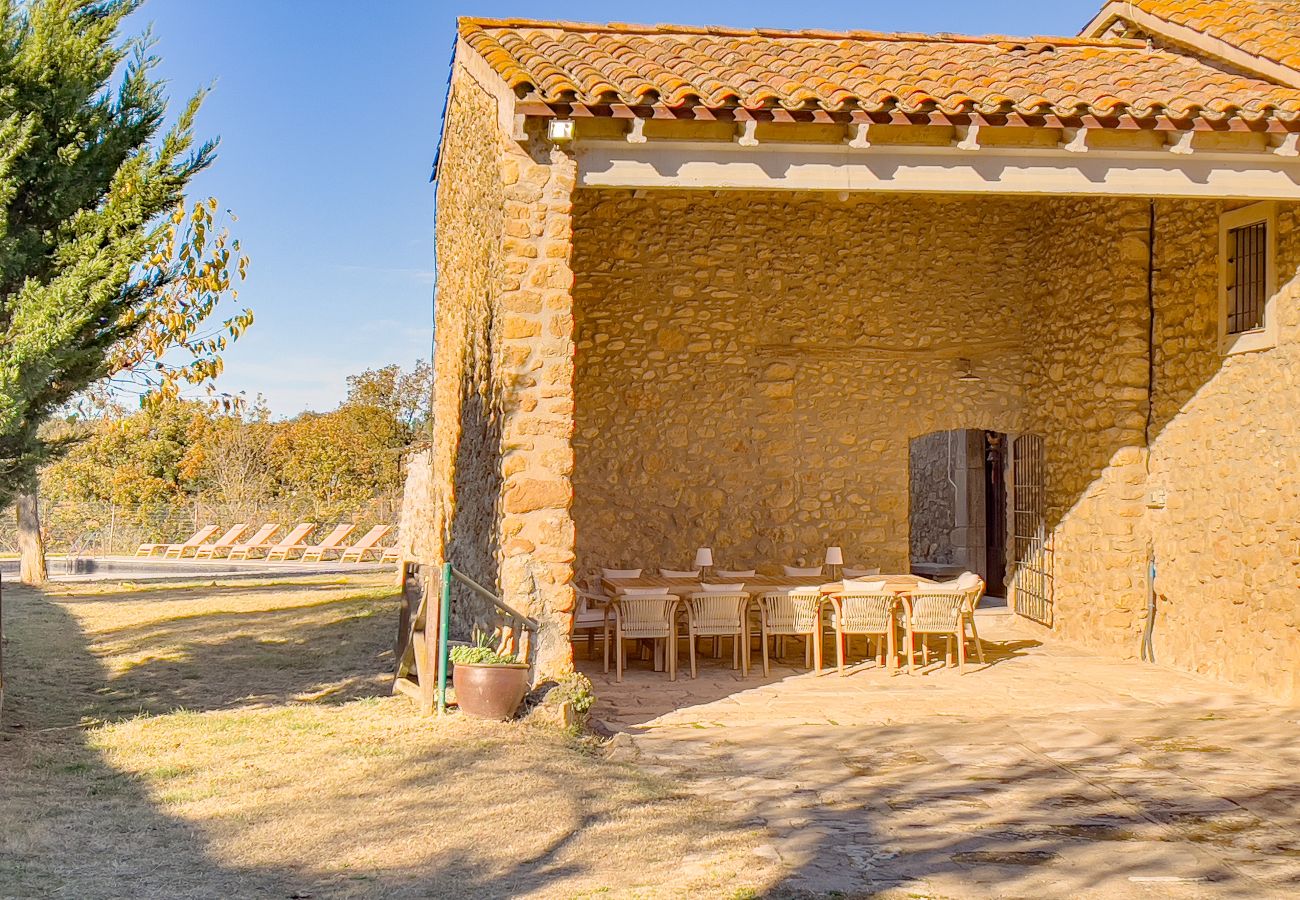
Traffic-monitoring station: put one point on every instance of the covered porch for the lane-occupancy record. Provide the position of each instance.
(665, 327)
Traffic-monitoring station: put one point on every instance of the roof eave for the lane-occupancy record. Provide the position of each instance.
(1186, 38)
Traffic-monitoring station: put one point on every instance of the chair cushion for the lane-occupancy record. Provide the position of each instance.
(620, 573)
(735, 573)
(797, 571)
(864, 587)
(675, 573)
(643, 591)
(722, 588)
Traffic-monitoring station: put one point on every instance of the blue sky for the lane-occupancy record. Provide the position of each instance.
(328, 112)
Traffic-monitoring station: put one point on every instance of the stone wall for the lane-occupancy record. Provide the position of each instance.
(1226, 454)
(746, 370)
(1090, 332)
(751, 367)
(503, 362)
(934, 460)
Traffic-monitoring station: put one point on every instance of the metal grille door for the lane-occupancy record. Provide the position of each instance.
(1031, 584)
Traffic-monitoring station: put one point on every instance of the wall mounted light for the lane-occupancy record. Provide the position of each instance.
(966, 370)
(559, 131)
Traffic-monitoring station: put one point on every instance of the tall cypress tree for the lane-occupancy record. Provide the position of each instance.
(87, 178)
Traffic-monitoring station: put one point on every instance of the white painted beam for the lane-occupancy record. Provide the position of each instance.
(1074, 140)
(991, 170)
(1287, 145)
(968, 137)
(861, 136)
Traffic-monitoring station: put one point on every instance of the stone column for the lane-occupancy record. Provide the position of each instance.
(534, 369)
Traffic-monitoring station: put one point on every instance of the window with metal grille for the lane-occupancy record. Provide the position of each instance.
(1248, 277)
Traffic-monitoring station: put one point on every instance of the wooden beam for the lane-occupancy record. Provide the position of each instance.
(748, 136)
(1181, 142)
(1125, 122)
(860, 135)
(1286, 145)
(1074, 140)
(968, 137)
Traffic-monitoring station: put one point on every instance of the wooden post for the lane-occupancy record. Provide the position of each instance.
(31, 546)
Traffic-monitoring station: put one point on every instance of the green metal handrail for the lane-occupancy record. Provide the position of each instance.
(444, 620)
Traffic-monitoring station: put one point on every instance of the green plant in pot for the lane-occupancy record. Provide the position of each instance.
(488, 684)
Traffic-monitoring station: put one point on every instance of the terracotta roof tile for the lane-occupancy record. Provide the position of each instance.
(1267, 28)
(559, 62)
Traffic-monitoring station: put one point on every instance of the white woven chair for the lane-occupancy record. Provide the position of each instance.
(796, 571)
(864, 608)
(620, 573)
(792, 613)
(592, 616)
(719, 614)
(679, 573)
(945, 610)
(646, 616)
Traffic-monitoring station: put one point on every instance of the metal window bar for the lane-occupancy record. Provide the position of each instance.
(1249, 269)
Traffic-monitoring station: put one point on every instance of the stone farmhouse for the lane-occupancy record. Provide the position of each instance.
(718, 287)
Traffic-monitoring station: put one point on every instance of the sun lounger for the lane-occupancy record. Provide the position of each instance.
(260, 542)
(332, 543)
(180, 551)
(368, 544)
(291, 541)
(222, 545)
(194, 540)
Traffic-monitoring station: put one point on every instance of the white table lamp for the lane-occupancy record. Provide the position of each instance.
(834, 559)
(704, 559)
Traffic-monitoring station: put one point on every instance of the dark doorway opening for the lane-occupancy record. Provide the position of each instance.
(995, 512)
(958, 493)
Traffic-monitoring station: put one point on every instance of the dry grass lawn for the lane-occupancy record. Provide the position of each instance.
(238, 739)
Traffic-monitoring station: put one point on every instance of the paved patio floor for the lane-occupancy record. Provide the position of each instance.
(1049, 772)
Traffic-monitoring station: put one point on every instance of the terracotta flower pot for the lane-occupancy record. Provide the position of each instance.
(488, 691)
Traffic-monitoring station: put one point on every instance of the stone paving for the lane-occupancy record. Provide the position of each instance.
(1048, 772)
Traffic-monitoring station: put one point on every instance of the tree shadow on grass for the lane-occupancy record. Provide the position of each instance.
(357, 799)
(365, 799)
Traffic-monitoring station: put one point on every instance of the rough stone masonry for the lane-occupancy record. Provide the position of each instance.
(624, 377)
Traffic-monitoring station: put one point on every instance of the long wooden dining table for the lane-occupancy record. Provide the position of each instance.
(758, 584)
(755, 586)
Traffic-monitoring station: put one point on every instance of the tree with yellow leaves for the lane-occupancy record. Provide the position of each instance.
(104, 269)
